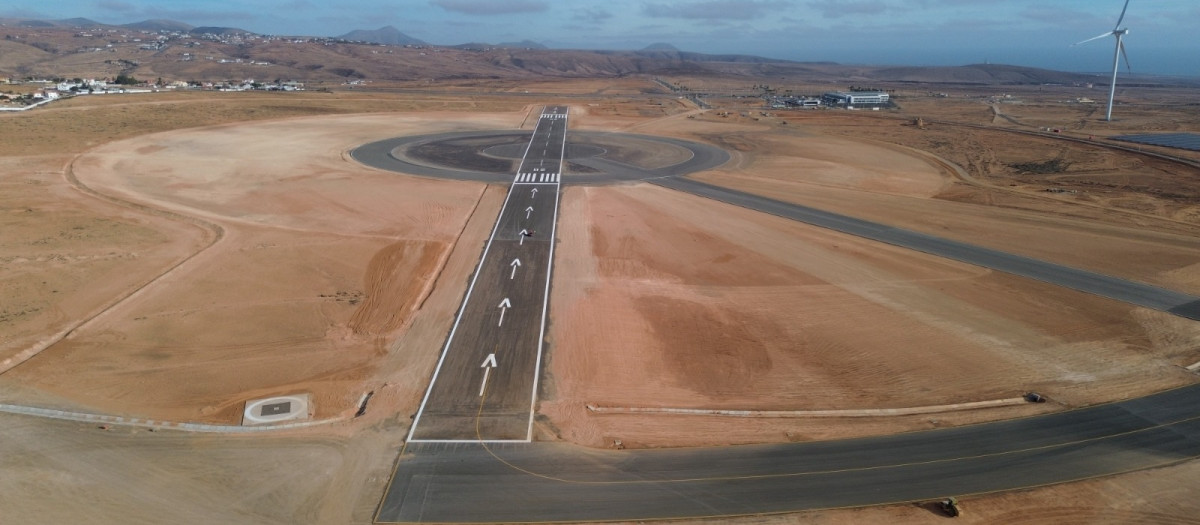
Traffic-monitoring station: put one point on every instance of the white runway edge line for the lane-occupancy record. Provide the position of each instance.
(472, 441)
(466, 298)
(537, 369)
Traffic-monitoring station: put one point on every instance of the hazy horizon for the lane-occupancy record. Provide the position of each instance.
(877, 32)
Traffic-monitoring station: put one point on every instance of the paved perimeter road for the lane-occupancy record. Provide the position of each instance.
(557, 482)
(1132, 292)
(485, 383)
(514, 482)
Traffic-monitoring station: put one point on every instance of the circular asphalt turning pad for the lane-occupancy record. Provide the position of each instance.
(493, 156)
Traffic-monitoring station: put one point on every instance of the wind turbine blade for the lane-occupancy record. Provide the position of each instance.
(1122, 17)
(1128, 67)
(1098, 37)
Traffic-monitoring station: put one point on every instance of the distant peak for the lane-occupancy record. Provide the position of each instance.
(660, 46)
(387, 35)
(159, 24)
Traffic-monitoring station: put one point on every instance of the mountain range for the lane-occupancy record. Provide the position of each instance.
(169, 49)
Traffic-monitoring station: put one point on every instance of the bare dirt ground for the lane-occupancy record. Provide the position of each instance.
(662, 306)
(235, 261)
(311, 273)
(319, 265)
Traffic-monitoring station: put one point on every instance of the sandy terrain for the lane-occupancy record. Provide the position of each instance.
(319, 266)
(1146, 247)
(235, 261)
(343, 320)
(660, 305)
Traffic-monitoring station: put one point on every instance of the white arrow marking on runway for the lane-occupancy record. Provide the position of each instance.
(524, 234)
(504, 306)
(487, 366)
(514, 264)
(528, 211)
(533, 194)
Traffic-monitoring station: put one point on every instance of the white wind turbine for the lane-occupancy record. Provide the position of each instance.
(1119, 52)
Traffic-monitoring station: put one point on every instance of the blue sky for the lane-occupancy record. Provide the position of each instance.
(917, 32)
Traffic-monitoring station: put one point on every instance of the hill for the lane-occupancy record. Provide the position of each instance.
(160, 24)
(50, 49)
(386, 35)
(219, 31)
(524, 44)
(660, 46)
(980, 74)
(484, 46)
(76, 22)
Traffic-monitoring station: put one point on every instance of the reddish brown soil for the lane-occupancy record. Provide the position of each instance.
(196, 269)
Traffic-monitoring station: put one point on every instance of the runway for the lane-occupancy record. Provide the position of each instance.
(390, 154)
(485, 382)
(448, 474)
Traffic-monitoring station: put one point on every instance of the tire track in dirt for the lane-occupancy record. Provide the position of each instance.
(213, 233)
(963, 176)
(392, 295)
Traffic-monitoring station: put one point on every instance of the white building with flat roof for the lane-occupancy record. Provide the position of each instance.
(856, 98)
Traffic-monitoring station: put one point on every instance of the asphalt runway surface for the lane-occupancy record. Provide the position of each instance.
(478, 483)
(484, 384)
(465, 480)
(390, 155)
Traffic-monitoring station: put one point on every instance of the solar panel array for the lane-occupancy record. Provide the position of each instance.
(1171, 140)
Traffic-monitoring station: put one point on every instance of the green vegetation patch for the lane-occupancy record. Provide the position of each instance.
(1042, 168)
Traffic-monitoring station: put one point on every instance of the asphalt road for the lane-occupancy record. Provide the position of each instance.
(465, 481)
(559, 482)
(1132, 292)
(484, 384)
(389, 155)
(381, 154)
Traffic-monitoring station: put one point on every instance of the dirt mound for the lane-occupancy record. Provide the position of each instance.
(398, 278)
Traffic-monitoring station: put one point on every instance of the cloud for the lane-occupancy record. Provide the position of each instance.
(189, 15)
(830, 9)
(116, 5)
(591, 16)
(1058, 16)
(24, 13)
(927, 3)
(492, 7)
(297, 5)
(715, 9)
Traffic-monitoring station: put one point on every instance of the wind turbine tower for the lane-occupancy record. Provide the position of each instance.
(1118, 32)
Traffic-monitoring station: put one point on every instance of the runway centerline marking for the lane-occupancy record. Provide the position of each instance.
(504, 306)
(440, 417)
(487, 366)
